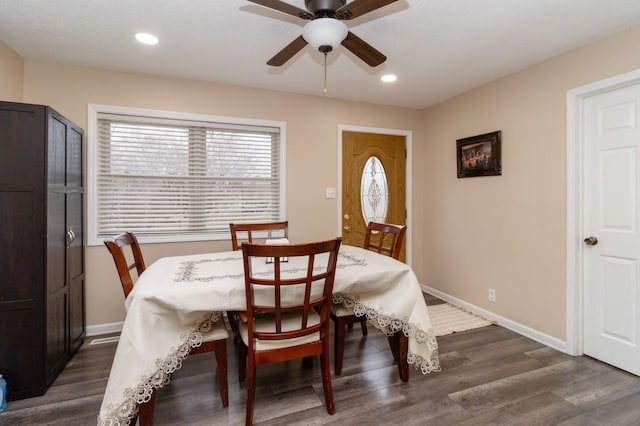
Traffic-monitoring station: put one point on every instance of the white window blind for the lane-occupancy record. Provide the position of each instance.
(165, 177)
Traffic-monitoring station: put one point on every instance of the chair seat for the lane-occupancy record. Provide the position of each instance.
(341, 311)
(290, 321)
(218, 332)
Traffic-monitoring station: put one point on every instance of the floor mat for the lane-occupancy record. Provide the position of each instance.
(447, 319)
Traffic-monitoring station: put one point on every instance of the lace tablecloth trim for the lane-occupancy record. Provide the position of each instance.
(122, 413)
(390, 325)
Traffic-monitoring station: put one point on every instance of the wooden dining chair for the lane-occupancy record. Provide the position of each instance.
(384, 238)
(249, 232)
(287, 313)
(125, 248)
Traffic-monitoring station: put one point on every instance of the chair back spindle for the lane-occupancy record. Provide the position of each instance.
(249, 231)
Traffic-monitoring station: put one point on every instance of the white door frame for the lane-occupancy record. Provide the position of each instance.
(575, 203)
(408, 142)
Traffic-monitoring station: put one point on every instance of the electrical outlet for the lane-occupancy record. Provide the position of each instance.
(330, 193)
(492, 295)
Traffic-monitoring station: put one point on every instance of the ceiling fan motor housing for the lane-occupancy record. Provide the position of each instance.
(324, 8)
(325, 28)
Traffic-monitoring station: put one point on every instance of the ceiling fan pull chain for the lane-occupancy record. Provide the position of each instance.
(325, 74)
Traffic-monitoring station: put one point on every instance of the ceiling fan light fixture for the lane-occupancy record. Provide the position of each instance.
(324, 32)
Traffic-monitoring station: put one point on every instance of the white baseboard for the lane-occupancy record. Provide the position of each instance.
(532, 334)
(114, 327)
(545, 339)
(97, 330)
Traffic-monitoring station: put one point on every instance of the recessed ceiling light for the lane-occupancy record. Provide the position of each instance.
(388, 78)
(146, 38)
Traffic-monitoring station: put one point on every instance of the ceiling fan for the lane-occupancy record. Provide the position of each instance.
(325, 31)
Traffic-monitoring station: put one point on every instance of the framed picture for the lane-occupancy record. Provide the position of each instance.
(479, 155)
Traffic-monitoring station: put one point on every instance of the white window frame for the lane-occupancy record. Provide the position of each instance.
(92, 163)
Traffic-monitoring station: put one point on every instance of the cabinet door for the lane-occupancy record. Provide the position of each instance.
(57, 289)
(20, 300)
(22, 193)
(75, 137)
(75, 224)
(56, 152)
(75, 262)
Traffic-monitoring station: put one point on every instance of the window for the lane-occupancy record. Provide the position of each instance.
(181, 177)
(374, 191)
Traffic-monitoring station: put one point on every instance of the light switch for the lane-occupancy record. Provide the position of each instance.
(330, 193)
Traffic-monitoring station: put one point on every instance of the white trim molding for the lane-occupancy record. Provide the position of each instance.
(100, 329)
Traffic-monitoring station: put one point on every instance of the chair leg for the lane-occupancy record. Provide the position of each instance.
(221, 360)
(403, 350)
(338, 347)
(145, 412)
(363, 326)
(307, 363)
(393, 344)
(242, 361)
(251, 389)
(326, 379)
(399, 348)
(232, 316)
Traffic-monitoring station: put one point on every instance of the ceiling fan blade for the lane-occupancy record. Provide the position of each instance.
(288, 52)
(284, 7)
(363, 50)
(357, 8)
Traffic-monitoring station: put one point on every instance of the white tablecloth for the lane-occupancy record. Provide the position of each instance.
(177, 298)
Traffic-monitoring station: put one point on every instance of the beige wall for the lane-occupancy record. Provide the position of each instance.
(11, 74)
(508, 232)
(312, 124)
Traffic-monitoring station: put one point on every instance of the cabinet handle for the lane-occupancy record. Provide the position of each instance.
(70, 237)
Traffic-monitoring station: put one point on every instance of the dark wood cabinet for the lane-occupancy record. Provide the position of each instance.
(42, 318)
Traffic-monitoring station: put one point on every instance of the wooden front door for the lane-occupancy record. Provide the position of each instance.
(381, 194)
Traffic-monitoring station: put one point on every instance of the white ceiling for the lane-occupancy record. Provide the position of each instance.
(438, 48)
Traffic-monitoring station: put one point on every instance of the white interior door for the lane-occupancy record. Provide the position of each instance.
(611, 217)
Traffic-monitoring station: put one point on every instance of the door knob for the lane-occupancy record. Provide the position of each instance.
(346, 216)
(591, 241)
(347, 228)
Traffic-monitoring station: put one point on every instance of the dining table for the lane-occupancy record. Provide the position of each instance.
(176, 299)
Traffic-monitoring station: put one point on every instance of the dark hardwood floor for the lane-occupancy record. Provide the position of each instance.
(490, 376)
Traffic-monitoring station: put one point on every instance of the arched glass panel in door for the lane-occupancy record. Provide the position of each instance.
(374, 191)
